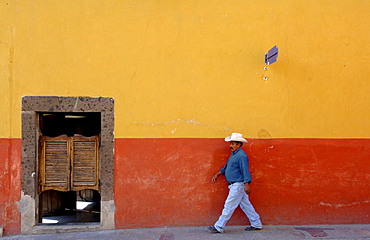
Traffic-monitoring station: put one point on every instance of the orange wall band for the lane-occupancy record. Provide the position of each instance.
(10, 185)
(167, 182)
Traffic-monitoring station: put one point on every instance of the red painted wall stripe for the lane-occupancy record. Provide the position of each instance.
(167, 182)
(10, 185)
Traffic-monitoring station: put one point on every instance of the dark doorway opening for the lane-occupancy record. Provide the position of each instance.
(70, 207)
(61, 123)
(73, 199)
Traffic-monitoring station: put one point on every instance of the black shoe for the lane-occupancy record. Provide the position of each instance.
(213, 229)
(252, 229)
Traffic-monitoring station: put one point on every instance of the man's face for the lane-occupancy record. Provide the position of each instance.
(234, 146)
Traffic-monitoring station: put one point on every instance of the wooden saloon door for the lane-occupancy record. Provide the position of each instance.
(69, 163)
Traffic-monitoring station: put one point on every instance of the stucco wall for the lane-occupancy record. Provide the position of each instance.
(185, 74)
(10, 185)
(167, 182)
(194, 68)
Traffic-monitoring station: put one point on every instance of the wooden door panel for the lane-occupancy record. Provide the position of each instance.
(85, 163)
(69, 163)
(55, 164)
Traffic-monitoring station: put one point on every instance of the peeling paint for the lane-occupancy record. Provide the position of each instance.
(343, 205)
(27, 209)
(191, 121)
(264, 134)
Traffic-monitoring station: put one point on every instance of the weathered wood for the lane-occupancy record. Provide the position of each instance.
(69, 163)
(85, 174)
(54, 164)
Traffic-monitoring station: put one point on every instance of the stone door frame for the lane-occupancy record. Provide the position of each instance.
(31, 106)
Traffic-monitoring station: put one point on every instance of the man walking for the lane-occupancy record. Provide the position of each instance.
(238, 176)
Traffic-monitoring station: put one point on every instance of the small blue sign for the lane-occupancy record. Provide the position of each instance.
(271, 55)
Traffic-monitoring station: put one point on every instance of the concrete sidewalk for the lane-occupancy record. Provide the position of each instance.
(231, 232)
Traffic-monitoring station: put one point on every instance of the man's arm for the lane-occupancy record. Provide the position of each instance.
(216, 175)
(247, 176)
(244, 169)
(247, 189)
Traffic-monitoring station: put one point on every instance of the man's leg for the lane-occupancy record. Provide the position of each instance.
(249, 210)
(233, 199)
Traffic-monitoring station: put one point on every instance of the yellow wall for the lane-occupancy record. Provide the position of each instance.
(192, 68)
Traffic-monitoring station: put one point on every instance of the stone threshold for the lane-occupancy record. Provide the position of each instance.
(66, 228)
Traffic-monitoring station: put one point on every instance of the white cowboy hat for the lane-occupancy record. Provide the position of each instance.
(236, 137)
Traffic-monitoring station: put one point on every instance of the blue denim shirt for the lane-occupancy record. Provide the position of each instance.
(236, 168)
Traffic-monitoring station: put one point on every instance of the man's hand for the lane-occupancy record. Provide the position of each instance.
(247, 189)
(215, 176)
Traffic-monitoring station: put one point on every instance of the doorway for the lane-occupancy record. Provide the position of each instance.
(80, 131)
(69, 167)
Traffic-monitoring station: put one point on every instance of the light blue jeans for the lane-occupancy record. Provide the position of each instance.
(236, 197)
